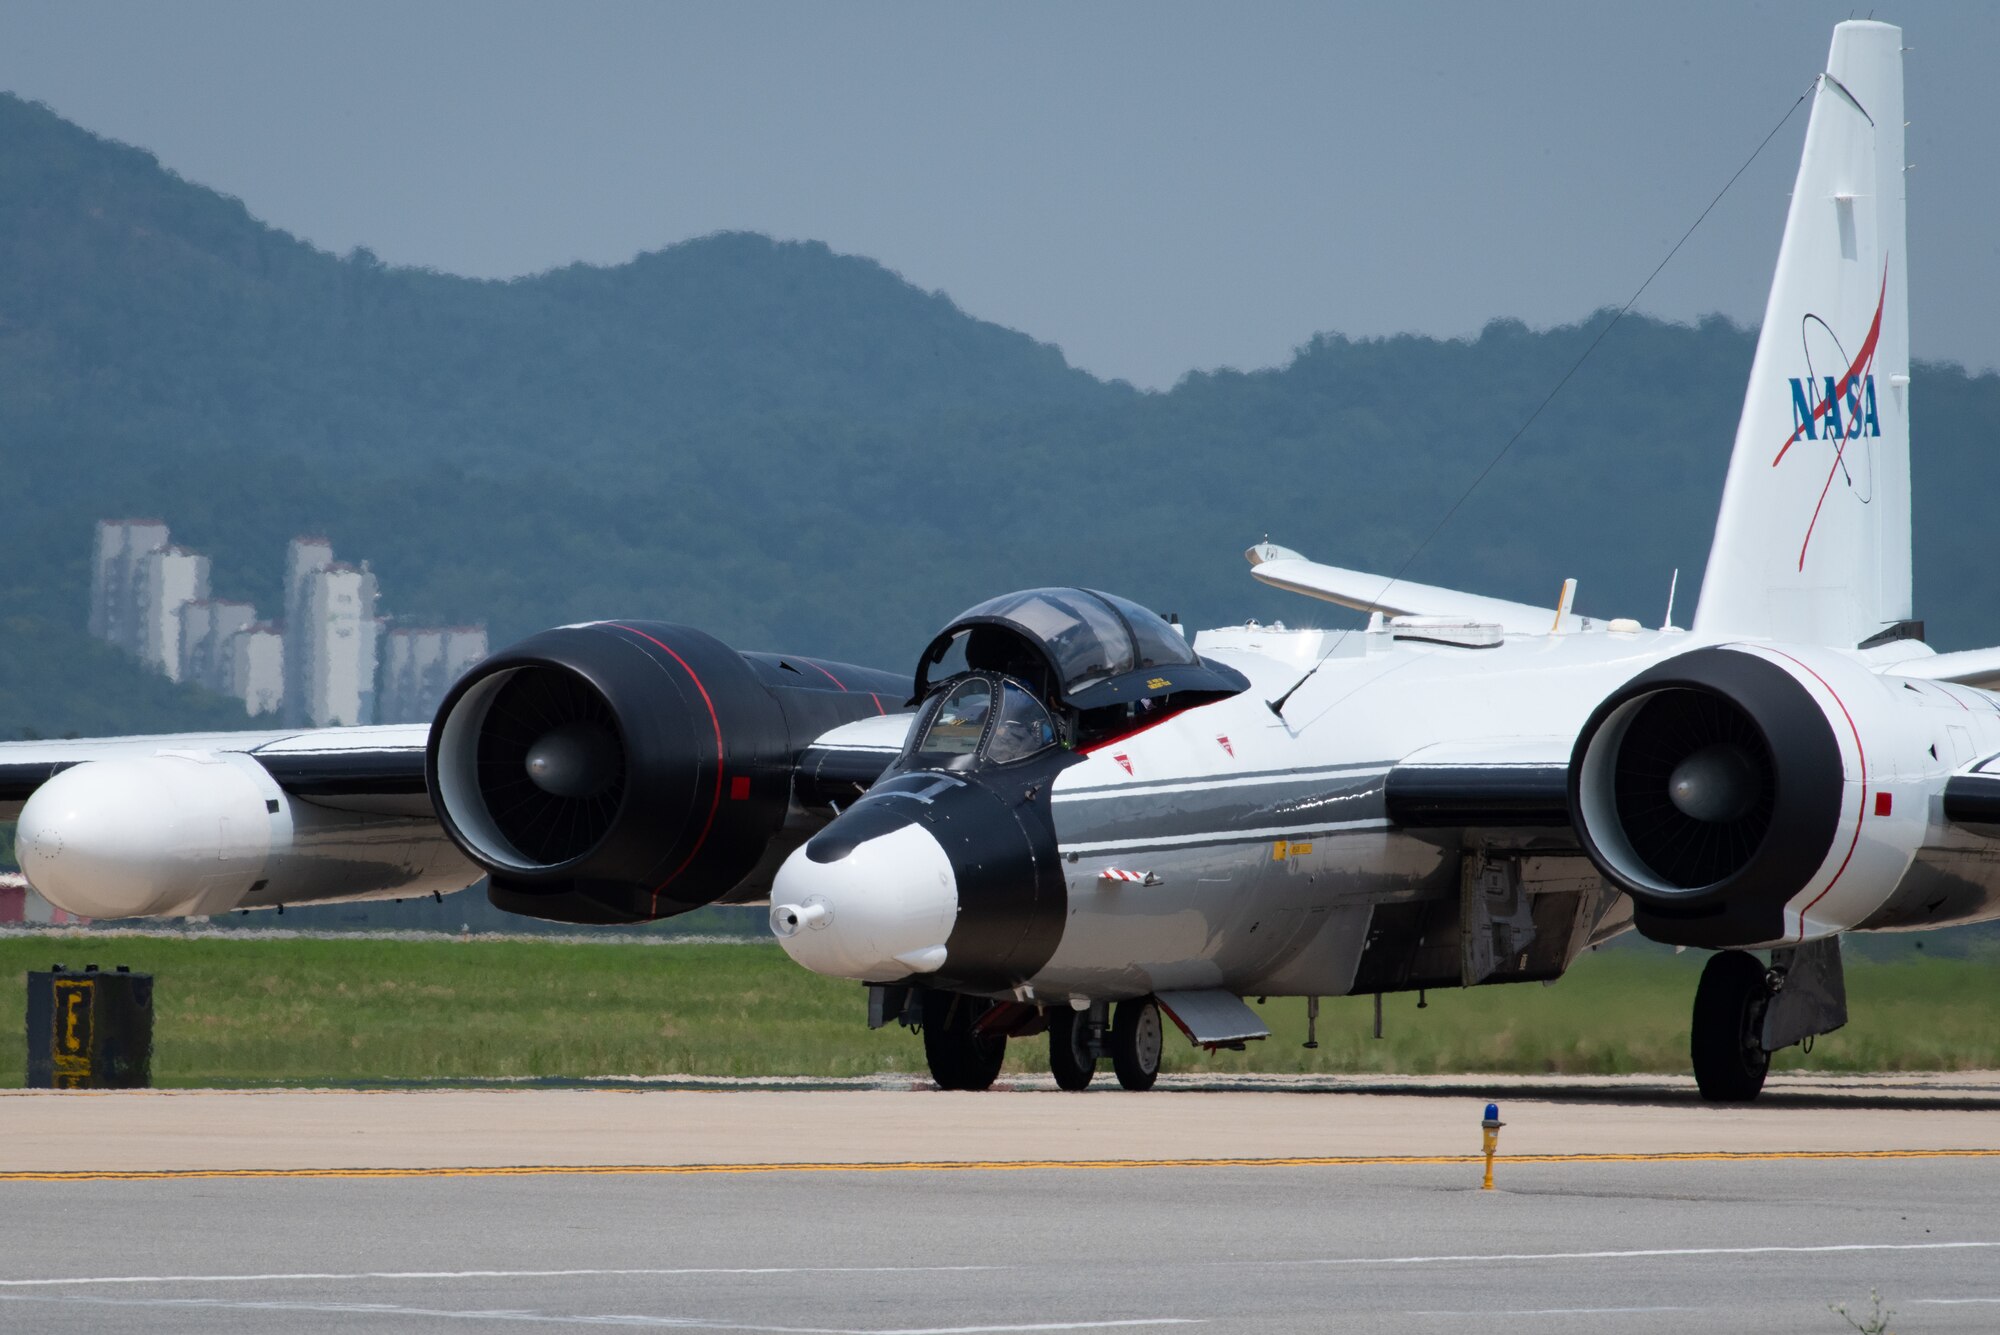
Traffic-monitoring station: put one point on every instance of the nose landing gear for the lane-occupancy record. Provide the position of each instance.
(1078, 1039)
(960, 1054)
(965, 1037)
(1074, 1040)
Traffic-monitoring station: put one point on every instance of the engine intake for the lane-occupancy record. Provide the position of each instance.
(549, 767)
(617, 772)
(1710, 788)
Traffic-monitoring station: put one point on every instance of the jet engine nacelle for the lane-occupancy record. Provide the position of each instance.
(621, 772)
(205, 832)
(1750, 795)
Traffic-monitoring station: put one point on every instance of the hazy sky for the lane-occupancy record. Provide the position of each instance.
(1154, 187)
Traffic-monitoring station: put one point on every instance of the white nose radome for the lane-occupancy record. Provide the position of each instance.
(882, 912)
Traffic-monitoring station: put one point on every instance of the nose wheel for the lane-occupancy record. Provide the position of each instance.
(1072, 1059)
(960, 1057)
(1135, 1043)
(1727, 1039)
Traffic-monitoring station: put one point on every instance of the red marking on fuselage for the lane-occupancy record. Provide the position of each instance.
(1226, 746)
(1153, 720)
(1861, 812)
(828, 675)
(1126, 761)
(715, 803)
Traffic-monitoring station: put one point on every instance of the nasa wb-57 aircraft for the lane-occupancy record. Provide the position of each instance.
(1090, 823)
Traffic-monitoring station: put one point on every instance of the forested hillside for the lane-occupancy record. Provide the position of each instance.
(792, 448)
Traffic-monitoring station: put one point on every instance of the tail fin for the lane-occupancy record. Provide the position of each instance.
(1813, 540)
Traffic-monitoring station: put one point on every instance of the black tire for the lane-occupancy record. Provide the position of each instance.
(958, 1057)
(1069, 1049)
(1726, 1041)
(1135, 1043)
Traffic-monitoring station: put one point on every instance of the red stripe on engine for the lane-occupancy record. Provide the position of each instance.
(715, 803)
(1861, 813)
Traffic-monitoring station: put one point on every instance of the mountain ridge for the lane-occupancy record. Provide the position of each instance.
(795, 449)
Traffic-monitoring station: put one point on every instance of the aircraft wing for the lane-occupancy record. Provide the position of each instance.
(1968, 667)
(840, 765)
(205, 823)
(1282, 568)
(1521, 786)
(1508, 784)
(382, 764)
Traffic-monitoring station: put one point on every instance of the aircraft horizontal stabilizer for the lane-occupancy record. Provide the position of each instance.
(1282, 568)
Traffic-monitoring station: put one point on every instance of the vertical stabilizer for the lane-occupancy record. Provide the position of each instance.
(1813, 541)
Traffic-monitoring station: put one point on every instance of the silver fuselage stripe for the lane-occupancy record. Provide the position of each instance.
(1225, 837)
(1146, 787)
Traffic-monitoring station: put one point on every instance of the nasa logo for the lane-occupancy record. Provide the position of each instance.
(1817, 417)
(1839, 410)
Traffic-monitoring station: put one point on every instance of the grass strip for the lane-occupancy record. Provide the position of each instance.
(331, 1012)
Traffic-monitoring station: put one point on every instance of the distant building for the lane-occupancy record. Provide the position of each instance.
(318, 668)
(336, 638)
(419, 664)
(207, 627)
(257, 668)
(122, 545)
(304, 557)
(168, 578)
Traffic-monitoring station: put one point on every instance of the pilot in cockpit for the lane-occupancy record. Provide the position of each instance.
(1024, 727)
(1045, 667)
(998, 649)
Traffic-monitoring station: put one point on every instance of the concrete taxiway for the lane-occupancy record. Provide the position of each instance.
(1618, 1207)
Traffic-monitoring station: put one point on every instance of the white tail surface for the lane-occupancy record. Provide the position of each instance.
(1813, 541)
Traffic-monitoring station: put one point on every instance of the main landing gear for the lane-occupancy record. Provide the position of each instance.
(1745, 1011)
(1727, 1039)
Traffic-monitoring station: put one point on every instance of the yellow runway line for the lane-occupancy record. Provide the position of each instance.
(977, 1165)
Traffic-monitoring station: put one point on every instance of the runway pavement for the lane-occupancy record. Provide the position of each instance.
(366, 1212)
(753, 1123)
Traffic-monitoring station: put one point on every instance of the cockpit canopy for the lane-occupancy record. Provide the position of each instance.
(1012, 723)
(1076, 648)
